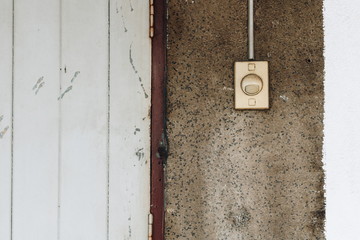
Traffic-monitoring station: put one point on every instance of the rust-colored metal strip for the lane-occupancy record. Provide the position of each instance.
(158, 136)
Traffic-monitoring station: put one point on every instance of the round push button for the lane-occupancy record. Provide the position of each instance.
(251, 84)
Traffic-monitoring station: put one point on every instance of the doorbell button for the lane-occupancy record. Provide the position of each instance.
(252, 89)
(251, 84)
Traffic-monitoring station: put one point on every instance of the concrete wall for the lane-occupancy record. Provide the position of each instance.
(244, 174)
(342, 113)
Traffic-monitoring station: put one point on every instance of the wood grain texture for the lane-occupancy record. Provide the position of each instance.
(36, 119)
(5, 117)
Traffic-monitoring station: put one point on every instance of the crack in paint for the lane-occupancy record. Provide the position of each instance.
(136, 71)
(242, 218)
(1, 117)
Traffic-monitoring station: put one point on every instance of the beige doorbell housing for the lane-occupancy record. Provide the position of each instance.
(251, 77)
(251, 85)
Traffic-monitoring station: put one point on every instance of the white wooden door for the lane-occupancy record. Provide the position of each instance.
(74, 119)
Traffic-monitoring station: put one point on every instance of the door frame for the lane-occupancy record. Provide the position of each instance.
(159, 147)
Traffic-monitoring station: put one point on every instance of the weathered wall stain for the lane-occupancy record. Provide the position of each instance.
(240, 218)
(243, 175)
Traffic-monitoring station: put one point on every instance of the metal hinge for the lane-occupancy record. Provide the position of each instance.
(151, 30)
(150, 223)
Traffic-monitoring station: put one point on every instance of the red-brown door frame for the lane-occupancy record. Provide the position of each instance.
(158, 110)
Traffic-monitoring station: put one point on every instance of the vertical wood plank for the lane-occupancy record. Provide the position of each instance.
(5, 117)
(84, 120)
(130, 97)
(36, 114)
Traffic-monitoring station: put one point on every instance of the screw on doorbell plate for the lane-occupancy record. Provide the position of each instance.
(252, 85)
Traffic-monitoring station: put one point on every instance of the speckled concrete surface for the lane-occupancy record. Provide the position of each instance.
(244, 174)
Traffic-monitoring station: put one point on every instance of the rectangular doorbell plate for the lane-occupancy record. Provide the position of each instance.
(252, 85)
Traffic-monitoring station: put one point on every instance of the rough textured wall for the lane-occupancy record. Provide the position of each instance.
(244, 174)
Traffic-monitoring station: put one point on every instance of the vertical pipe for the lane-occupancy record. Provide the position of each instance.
(251, 29)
